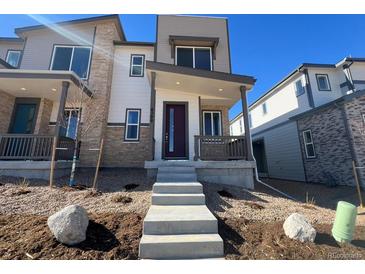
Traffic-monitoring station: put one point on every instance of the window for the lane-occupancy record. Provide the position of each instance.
(212, 123)
(132, 125)
(137, 65)
(241, 128)
(13, 57)
(299, 89)
(308, 144)
(250, 120)
(264, 108)
(194, 57)
(70, 123)
(72, 58)
(323, 82)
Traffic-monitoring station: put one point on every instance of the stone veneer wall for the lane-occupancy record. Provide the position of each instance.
(224, 113)
(43, 118)
(332, 146)
(6, 110)
(120, 153)
(355, 109)
(99, 81)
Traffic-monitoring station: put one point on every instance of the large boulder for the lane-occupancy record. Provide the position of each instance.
(297, 227)
(69, 224)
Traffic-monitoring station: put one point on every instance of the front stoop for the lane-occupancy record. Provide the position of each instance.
(178, 224)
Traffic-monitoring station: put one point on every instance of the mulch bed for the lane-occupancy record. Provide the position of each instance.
(109, 236)
(244, 239)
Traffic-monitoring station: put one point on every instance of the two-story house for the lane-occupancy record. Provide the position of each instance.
(309, 126)
(158, 102)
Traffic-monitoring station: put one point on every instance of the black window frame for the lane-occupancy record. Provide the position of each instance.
(131, 65)
(308, 143)
(17, 51)
(328, 82)
(70, 66)
(297, 93)
(193, 48)
(127, 124)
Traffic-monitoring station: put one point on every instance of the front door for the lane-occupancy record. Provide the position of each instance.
(175, 146)
(24, 118)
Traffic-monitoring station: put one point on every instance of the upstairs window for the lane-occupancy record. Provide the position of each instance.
(132, 125)
(194, 57)
(212, 123)
(241, 127)
(299, 89)
(264, 108)
(69, 128)
(137, 65)
(250, 120)
(13, 57)
(323, 82)
(308, 144)
(72, 58)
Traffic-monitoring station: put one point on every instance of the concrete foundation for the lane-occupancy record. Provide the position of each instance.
(34, 169)
(237, 173)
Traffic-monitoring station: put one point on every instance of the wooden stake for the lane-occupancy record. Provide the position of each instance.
(53, 158)
(98, 163)
(357, 183)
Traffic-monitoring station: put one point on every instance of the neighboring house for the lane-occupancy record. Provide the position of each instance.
(160, 101)
(307, 127)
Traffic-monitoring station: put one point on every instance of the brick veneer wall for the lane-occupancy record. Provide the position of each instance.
(43, 118)
(224, 113)
(332, 146)
(99, 81)
(120, 153)
(6, 110)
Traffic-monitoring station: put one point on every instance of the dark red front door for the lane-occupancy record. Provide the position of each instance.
(175, 131)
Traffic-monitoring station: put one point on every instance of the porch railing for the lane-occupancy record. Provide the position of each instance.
(34, 147)
(219, 148)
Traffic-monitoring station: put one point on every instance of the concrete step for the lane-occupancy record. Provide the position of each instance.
(168, 187)
(178, 199)
(177, 169)
(170, 220)
(176, 177)
(187, 246)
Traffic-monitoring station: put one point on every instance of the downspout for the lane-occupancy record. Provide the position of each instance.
(349, 76)
(251, 157)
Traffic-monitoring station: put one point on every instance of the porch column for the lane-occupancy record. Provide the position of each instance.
(248, 141)
(152, 113)
(61, 108)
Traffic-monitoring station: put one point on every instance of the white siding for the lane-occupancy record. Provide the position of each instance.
(283, 154)
(235, 127)
(129, 92)
(358, 73)
(193, 117)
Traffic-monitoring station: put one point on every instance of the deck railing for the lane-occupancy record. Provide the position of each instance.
(219, 148)
(34, 147)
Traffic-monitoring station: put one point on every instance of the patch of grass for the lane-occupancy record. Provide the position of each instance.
(121, 199)
(309, 201)
(22, 187)
(93, 193)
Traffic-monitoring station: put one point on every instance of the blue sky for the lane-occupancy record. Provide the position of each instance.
(264, 46)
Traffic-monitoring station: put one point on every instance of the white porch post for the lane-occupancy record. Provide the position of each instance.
(248, 140)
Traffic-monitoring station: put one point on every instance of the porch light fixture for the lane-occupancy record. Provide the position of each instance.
(177, 83)
(220, 89)
(23, 89)
(54, 89)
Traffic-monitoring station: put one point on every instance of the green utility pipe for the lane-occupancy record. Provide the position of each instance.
(344, 225)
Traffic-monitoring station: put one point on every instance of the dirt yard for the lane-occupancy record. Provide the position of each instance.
(250, 222)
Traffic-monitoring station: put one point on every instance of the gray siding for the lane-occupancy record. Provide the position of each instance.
(5, 46)
(193, 26)
(39, 45)
(283, 153)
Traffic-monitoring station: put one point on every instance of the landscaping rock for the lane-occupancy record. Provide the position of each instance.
(297, 227)
(69, 224)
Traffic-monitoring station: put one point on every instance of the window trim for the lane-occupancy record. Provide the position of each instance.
(70, 109)
(131, 65)
(296, 88)
(220, 122)
(192, 47)
(310, 143)
(72, 56)
(14, 50)
(127, 124)
(328, 81)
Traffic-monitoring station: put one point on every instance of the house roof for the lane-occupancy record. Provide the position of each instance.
(134, 43)
(114, 17)
(11, 39)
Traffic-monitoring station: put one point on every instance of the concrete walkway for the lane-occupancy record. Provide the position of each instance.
(178, 224)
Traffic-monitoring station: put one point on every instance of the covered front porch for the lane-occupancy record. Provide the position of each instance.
(191, 127)
(38, 117)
